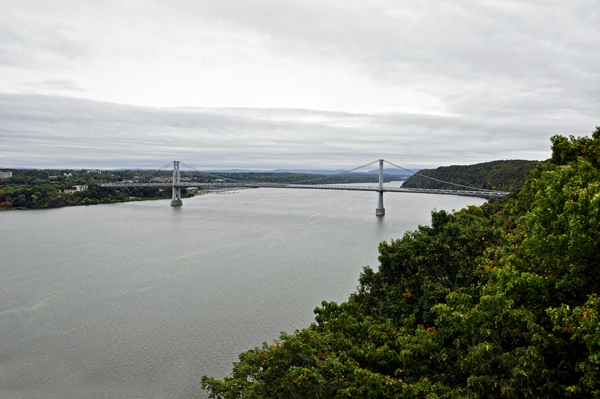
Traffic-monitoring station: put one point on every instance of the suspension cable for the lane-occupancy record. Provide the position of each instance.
(166, 166)
(155, 172)
(336, 174)
(325, 177)
(296, 182)
(438, 180)
(212, 174)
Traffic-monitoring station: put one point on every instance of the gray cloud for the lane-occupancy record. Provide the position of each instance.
(33, 41)
(487, 57)
(50, 131)
(286, 83)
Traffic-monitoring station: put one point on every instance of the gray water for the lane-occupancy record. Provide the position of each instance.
(139, 300)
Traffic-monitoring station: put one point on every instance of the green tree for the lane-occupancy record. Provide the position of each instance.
(496, 302)
(21, 200)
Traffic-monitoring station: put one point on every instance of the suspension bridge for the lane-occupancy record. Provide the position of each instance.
(176, 183)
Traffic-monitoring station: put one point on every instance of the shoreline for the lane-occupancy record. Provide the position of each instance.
(133, 199)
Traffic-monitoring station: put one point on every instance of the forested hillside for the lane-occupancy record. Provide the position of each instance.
(497, 301)
(495, 175)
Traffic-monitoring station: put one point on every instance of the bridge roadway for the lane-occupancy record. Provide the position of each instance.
(209, 186)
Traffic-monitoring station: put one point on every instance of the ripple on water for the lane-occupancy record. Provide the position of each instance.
(141, 299)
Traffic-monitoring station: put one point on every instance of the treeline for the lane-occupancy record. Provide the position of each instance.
(497, 301)
(69, 177)
(74, 177)
(41, 188)
(48, 195)
(495, 175)
(288, 177)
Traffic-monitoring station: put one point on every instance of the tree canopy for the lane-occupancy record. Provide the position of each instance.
(497, 301)
(495, 175)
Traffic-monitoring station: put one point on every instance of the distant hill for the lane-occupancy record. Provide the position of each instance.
(495, 175)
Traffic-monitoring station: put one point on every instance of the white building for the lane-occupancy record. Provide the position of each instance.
(5, 175)
(76, 189)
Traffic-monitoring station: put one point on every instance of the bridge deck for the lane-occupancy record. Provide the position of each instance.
(208, 186)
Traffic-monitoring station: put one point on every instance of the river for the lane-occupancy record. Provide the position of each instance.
(140, 299)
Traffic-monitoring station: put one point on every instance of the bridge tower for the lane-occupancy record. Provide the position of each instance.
(380, 211)
(176, 201)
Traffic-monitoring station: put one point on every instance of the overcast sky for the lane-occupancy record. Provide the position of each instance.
(293, 84)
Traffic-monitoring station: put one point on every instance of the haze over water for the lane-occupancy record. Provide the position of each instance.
(141, 299)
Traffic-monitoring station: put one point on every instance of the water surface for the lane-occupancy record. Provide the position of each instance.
(139, 300)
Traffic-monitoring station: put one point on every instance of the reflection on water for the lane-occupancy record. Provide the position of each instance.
(141, 299)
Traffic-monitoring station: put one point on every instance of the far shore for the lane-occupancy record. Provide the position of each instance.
(131, 199)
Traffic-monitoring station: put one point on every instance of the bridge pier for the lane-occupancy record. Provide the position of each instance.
(176, 200)
(380, 211)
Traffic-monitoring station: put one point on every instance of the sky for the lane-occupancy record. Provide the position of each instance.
(266, 84)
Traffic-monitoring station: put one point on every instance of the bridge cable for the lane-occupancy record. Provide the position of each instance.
(150, 173)
(438, 180)
(212, 174)
(296, 182)
(336, 174)
(156, 172)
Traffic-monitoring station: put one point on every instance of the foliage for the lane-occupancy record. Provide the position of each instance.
(34, 188)
(495, 175)
(28, 196)
(498, 301)
(44, 196)
(74, 177)
(582, 324)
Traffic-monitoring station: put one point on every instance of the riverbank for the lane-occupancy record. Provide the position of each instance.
(62, 204)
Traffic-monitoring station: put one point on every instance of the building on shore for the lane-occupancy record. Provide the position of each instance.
(74, 190)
